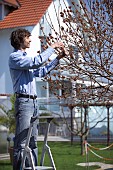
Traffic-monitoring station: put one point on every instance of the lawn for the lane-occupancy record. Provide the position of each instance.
(67, 157)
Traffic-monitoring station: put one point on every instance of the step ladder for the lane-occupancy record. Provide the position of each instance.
(27, 153)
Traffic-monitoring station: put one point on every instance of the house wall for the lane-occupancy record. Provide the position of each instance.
(55, 20)
(6, 49)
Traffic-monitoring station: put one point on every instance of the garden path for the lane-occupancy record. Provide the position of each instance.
(102, 166)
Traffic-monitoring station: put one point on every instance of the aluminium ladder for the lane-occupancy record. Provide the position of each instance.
(27, 153)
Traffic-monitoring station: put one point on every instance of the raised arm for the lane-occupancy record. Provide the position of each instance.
(43, 71)
(20, 61)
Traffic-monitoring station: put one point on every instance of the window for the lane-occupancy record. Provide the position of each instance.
(1, 11)
(66, 87)
(57, 88)
(44, 27)
(53, 89)
(5, 10)
(41, 89)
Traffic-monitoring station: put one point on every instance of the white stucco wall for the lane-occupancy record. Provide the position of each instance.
(53, 13)
(35, 41)
(5, 50)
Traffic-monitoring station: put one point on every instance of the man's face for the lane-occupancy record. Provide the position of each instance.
(26, 43)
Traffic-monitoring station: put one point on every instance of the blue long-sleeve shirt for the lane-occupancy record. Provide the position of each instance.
(24, 69)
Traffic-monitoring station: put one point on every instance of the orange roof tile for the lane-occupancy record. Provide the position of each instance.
(29, 13)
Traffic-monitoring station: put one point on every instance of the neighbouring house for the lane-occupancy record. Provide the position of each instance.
(29, 14)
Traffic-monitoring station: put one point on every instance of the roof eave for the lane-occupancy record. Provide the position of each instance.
(12, 4)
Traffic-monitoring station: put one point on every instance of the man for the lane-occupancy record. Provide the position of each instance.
(23, 70)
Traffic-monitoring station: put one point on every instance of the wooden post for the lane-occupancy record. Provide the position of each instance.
(71, 110)
(108, 126)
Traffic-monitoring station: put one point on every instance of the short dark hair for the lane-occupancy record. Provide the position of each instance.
(17, 37)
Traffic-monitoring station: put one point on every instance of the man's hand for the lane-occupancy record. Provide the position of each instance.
(63, 52)
(61, 55)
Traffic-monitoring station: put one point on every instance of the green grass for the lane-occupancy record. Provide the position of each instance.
(67, 157)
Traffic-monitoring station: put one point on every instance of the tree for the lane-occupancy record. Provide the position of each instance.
(86, 28)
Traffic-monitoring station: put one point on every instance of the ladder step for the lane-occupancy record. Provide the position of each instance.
(39, 168)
